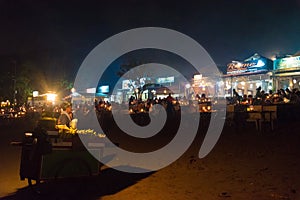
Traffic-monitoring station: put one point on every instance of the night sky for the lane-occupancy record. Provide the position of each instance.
(57, 35)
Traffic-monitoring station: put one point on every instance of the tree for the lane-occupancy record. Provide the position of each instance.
(23, 86)
(23, 81)
(22, 75)
(17, 80)
(138, 78)
(64, 86)
(6, 79)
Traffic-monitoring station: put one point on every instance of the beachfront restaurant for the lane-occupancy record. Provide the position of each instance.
(287, 72)
(246, 76)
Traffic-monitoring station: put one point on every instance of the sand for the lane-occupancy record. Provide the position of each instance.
(244, 164)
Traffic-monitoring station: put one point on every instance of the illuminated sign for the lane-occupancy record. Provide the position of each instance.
(103, 89)
(236, 67)
(91, 90)
(126, 84)
(285, 63)
(166, 80)
(198, 80)
(130, 84)
(35, 93)
(198, 77)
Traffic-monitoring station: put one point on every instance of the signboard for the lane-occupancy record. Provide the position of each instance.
(125, 84)
(285, 63)
(166, 80)
(104, 89)
(144, 80)
(197, 76)
(258, 65)
(198, 79)
(91, 90)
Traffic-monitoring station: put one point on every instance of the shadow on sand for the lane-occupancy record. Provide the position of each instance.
(108, 182)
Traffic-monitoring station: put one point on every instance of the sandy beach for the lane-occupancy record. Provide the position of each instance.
(244, 164)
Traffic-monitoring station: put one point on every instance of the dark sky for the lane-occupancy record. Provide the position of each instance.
(57, 35)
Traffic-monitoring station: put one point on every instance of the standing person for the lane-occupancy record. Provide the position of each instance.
(66, 115)
(236, 97)
(170, 98)
(65, 122)
(170, 108)
(258, 93)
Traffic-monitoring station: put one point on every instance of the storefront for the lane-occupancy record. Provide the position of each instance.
(246, 76)
(150, 88)
(208, 86)
(287, 72)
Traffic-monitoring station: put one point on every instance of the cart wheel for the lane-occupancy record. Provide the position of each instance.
(32, 182)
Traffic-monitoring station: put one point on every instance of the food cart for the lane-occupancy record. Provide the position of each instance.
(46, 155)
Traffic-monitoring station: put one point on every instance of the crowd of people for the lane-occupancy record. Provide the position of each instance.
(262, 98)
(170, 103)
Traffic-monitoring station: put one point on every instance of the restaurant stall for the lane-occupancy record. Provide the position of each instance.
(287, 72)
(246, 76)
(52, 151)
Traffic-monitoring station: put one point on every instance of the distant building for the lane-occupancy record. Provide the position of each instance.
(287, 72)
(245, 76)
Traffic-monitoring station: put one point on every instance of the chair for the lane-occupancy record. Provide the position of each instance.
(255, 116)
(270, 115)
(229, 114)
(240, 116)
